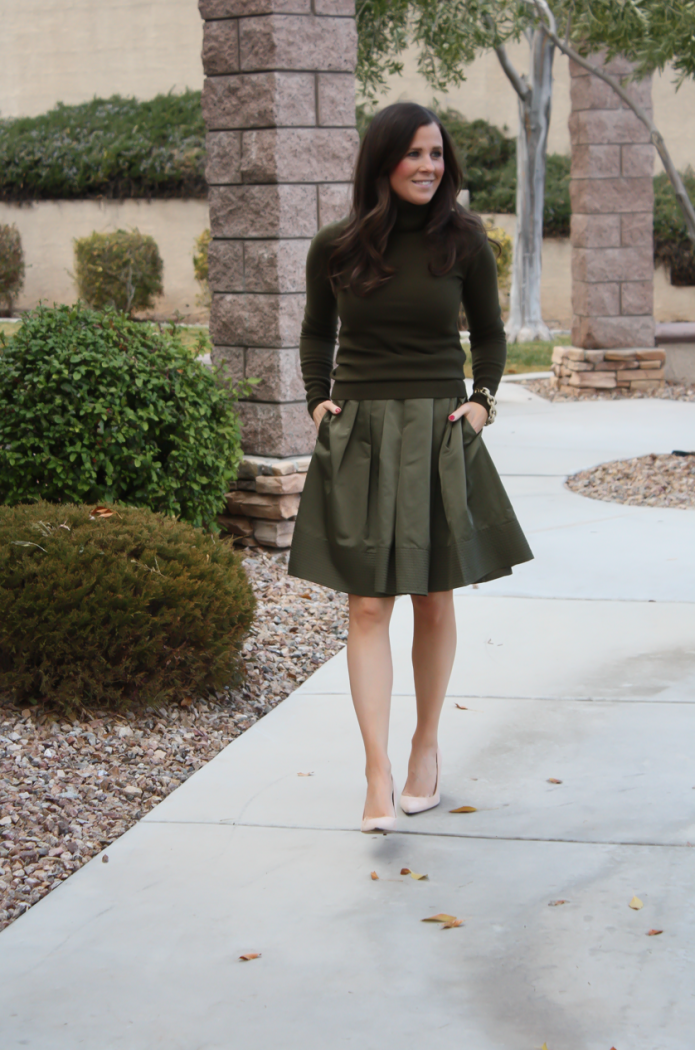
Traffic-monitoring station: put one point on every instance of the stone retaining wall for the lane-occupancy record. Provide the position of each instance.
(577, 370)
(263, 502)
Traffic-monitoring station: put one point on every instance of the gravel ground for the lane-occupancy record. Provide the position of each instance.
(650, 481)
(669, 392)
(67, 790)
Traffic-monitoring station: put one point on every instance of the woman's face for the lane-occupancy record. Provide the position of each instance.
(416, 178)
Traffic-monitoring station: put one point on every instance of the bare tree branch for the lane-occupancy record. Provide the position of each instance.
(550, 29)
(518, 83)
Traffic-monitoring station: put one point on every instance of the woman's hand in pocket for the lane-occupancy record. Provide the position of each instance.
(320, 411)
(477, 415)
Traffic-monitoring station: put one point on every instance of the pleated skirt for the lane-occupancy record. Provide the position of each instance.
(399, 500)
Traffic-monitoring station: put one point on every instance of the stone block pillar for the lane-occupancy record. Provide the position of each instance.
(612, 197)
(279, 107)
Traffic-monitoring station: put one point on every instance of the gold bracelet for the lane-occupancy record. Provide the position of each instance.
(491, 403)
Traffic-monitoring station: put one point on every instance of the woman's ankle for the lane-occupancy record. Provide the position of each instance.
(378, 769)
(424, 745)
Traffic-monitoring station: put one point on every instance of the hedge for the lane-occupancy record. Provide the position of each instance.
(112, 606)
(116, 147)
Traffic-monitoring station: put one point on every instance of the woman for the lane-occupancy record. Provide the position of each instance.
(401, 496)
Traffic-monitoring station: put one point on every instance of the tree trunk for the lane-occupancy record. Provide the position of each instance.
(525, 318)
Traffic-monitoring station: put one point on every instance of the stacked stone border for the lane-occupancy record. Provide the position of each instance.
(263, 502)
(576, 370)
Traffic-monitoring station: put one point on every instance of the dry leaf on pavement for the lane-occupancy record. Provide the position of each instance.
(462, 707)
(464, 809)
(250, 955)
(654, 933)
(441, 917)
(452, 925)
(554, 904)
(413, 874)
(305, 774)
(636, 904)
(374, 876)
(554, 780)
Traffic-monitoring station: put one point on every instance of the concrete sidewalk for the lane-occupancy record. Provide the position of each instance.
(579, 668)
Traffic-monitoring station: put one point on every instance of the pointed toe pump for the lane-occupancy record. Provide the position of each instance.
(387, 823)
(411, 804)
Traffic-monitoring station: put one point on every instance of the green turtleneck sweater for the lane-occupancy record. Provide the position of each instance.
(402, 340)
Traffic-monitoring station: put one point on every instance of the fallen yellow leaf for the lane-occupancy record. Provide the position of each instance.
(250, 955)
(464, 809)
(413, 874)
(462, 707)
(545, 1046)
(654, 933)
(305, 774)
(375, 876)
(441, 917)
(554, 904)
(554, 780)
(452, 925)
(636, 904)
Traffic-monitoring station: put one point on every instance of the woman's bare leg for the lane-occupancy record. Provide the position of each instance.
(371, 680)
(434, 648)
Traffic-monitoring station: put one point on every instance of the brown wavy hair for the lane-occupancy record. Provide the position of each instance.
(452, 232)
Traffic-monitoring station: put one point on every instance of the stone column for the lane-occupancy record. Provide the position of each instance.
(279, 107)
(612, 214)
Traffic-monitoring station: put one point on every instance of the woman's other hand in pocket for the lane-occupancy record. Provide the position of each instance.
(477, 414)
(326, 406)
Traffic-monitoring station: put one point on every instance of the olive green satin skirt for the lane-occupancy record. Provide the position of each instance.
(399, 500)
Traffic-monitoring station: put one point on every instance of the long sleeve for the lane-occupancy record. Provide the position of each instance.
(481, 303)
(320, 324)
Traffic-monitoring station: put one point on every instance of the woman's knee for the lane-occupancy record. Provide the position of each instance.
(433, 608)
(370, 612)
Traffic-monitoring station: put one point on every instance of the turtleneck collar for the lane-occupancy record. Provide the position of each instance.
(410, 216)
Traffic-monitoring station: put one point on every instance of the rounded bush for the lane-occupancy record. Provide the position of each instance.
(121, 269)
(11, 265)
(97, 408)
(115, 607)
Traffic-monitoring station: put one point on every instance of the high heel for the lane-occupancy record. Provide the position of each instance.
(382, 823)
(411, 804)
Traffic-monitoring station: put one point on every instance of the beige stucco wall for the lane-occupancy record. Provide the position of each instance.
(72, 50)
(47, 229)
(488, 94)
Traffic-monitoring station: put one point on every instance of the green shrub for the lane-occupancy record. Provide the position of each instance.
(115, 147)
(504, 252)
(11, 265)
(200, 266)
(672, 247)
(121, 269)
(116, 608)
(97, 408)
